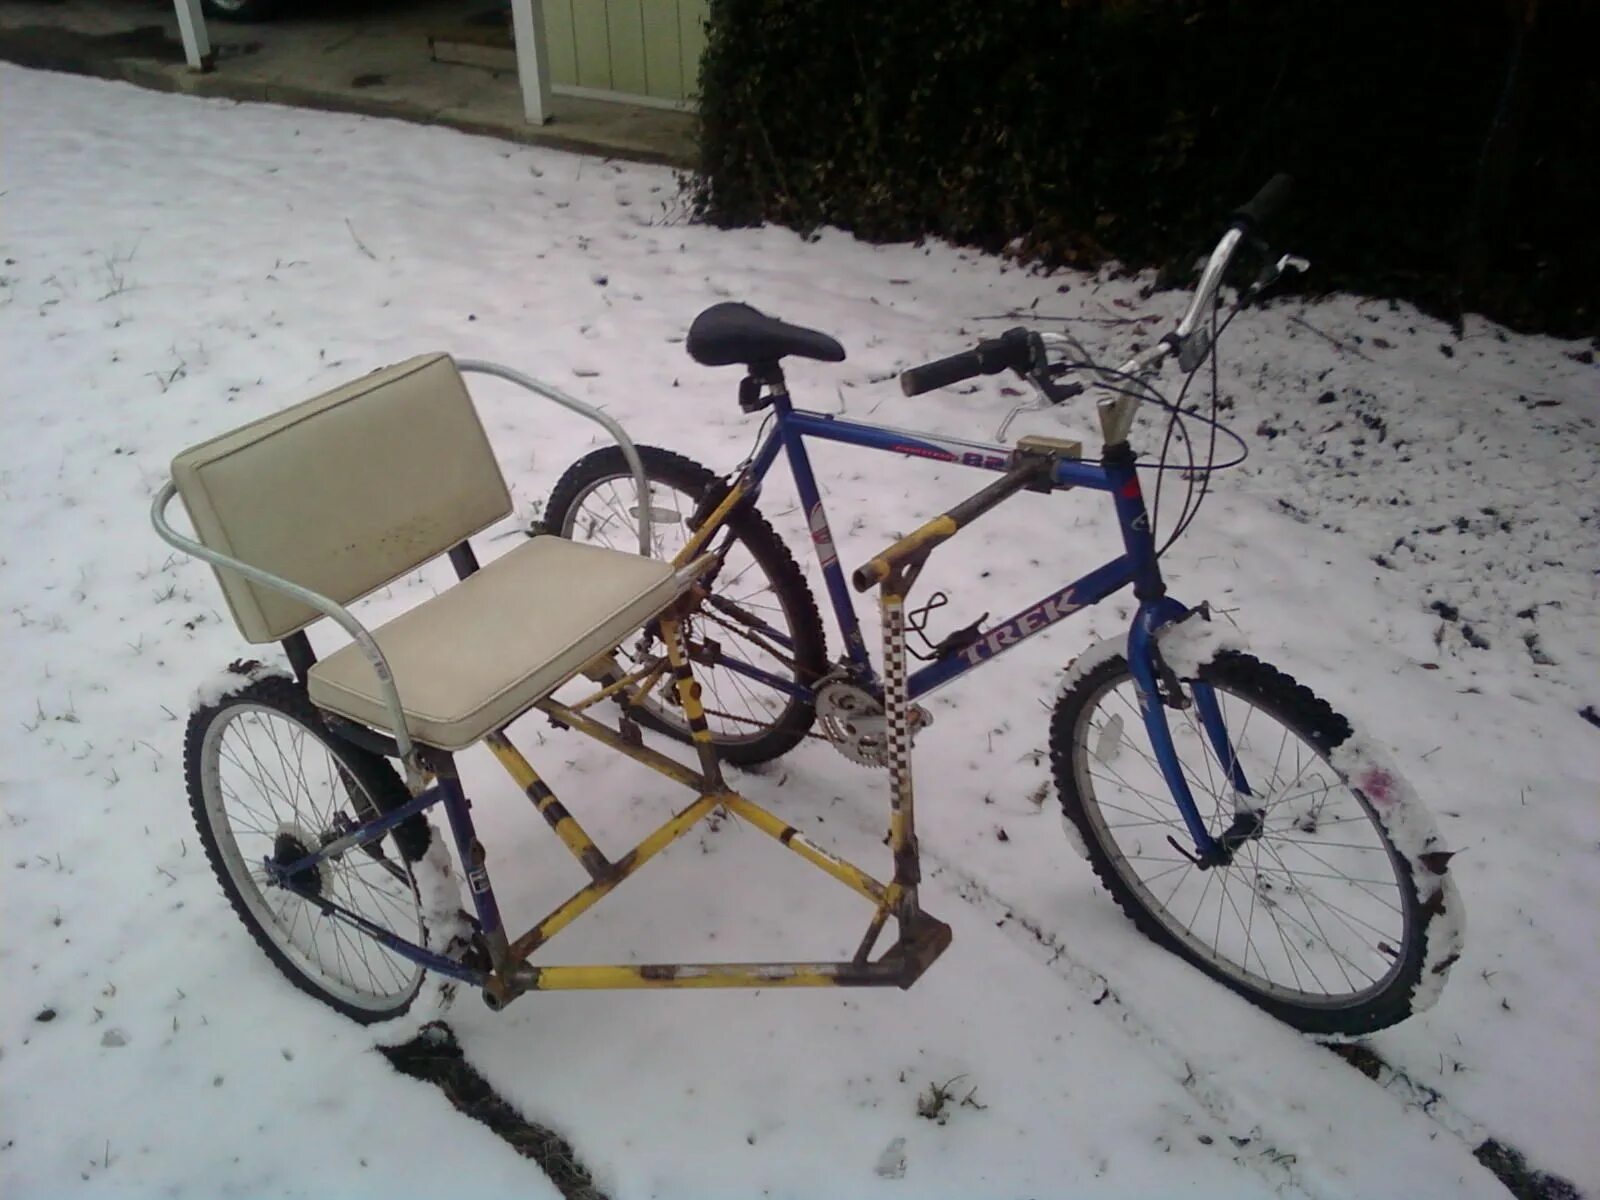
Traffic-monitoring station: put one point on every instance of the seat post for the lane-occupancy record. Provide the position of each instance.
(771, 374)
(757, 389)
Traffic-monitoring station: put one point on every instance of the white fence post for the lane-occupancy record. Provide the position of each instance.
(533, 59)
(196, 42)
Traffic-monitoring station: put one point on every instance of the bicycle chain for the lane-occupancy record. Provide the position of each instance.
(727, 716)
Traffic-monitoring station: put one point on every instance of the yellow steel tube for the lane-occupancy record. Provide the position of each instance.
(709, 975)
(852, 876)
(645, 679)
(573, 835)
(710, 525)
(689, 698)
(655, 760)
(876, 570)
(581, 901)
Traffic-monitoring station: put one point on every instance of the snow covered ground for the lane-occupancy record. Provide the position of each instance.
(1415, 535)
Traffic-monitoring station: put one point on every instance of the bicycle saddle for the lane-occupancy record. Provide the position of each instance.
(736, 333)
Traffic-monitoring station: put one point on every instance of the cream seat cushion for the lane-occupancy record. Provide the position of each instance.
(472, 658)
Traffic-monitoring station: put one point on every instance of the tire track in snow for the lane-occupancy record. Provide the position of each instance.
(1311, 1122)
(1290, 1157)
(1275, 1166)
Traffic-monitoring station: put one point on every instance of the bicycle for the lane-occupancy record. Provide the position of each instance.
(762, 651)
(326, 854)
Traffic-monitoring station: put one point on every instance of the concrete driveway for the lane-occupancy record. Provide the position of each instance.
(368, 56)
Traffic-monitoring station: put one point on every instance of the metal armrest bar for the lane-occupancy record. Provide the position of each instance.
(323, 604)
(629, 453)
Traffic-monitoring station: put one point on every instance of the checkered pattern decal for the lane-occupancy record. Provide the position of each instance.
(894, 703)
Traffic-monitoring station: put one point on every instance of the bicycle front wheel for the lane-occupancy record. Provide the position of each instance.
(1317, 918)
(757, 628)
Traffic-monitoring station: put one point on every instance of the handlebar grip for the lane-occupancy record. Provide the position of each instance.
(941, 373)
(1013, 350)
(1265, 203)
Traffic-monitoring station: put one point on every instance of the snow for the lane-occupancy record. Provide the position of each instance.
(176, 267)
(1411, 829)
(1085, 664)
(440, 892)
(1188, 645)
(233, 679)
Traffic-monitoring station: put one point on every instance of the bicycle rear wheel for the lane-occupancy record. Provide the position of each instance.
(757, 609)
(1318, 918)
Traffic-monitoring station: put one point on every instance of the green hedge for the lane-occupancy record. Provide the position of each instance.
(1126, 128)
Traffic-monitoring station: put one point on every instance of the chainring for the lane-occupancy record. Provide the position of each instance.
(853, 721)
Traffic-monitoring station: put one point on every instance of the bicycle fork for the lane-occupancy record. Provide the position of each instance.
(1159, 689)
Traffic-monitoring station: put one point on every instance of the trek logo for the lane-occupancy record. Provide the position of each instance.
(1026, 623)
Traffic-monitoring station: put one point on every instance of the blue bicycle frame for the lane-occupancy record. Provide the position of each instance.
(1138, 565)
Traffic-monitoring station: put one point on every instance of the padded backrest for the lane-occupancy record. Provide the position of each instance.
(343, 493)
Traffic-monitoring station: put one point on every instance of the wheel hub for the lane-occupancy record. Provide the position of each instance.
(289, 846)
(1246, 826)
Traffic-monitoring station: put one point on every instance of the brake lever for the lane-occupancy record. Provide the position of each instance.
(1049, 394)
(1287, 265)
(1038, 404)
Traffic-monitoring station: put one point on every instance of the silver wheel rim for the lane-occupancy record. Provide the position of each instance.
(1313, 913)
(265, 775)
(604, 514)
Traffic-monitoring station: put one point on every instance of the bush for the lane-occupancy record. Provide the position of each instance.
(1084, 131)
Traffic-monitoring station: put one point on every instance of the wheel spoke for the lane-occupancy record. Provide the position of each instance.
(1150, 759)
(1355, 886)
(1339, 958)
(739, 709)
(1278, 837)
(302, 790)
(259, 777)
(1328, 875)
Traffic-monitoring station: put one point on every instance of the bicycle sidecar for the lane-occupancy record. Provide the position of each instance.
(306, 511)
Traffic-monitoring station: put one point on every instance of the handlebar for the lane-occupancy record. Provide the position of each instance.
(1256, 211)
(1264, 205)
(1013, 350)
(1024, 352)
